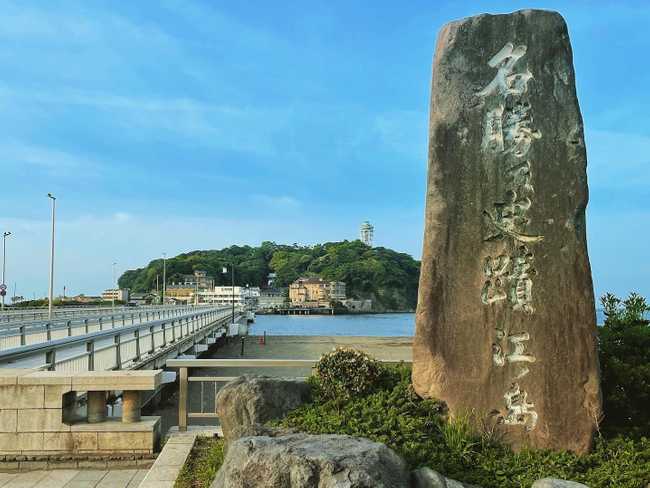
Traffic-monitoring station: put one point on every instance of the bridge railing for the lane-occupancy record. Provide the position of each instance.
(41, 313)
(209, 383)
(118, 348)
(16, 334)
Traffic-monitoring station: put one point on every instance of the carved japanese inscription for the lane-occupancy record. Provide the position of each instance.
(505, 323)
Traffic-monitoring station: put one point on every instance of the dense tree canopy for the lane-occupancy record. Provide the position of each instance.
(388, 277)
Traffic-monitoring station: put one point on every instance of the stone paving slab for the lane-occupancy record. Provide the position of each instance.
(72, 478)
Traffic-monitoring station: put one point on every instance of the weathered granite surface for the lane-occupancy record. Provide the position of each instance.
(428, 478)
(505, 320)
(557, 483)
(246, 403)
(311, 461)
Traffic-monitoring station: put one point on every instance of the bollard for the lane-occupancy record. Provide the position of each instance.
(243, 341)
(264, 343)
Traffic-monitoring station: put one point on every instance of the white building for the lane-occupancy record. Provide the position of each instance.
(367, 233)
(117, 294)
(225, 295)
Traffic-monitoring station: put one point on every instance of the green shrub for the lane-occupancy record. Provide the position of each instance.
(344, 373)
(624, 350)
(419, 431)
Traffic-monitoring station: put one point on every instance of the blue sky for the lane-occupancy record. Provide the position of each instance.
(174, 125)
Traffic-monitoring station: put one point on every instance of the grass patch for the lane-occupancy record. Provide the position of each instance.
(419, 431)
(202, 464)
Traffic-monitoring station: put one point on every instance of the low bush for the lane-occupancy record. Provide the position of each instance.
(346, 372)
(390, 412)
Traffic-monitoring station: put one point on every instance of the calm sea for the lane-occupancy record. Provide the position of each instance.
(386, 324)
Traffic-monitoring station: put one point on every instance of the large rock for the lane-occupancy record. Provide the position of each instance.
(428, 478)
(247, 402)
(505, 320)
(310, 461)
(557, 483)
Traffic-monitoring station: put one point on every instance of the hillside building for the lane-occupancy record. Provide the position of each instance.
(316, 292)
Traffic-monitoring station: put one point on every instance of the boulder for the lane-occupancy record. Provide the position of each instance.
(428, 478)
(247, 402)
(506, 324)
(557, 483)
(311, 461)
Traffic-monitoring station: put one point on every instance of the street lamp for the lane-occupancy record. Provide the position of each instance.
(51, 291)
(232, 286)
(3, 291)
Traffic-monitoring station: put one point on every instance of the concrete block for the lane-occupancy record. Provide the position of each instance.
(54, 395)
(41, 420)
(9, 376)
(58, 441)
(125, 441)
(30, 441)
(84, 441)
(60, 378)
(8, 442)
(117, 380)
(8, 420)
(22, 397)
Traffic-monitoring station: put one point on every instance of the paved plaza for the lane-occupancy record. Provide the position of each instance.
(72, 478)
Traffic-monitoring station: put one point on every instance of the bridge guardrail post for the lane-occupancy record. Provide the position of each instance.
(101, 327)
(118, 352)
(137, 345)
(86, 325)
(48, 331)
(69, 327)
(90, 349)
(22, 335)
(164, 334)
(182, 399)
(153, 342)
(50, 359)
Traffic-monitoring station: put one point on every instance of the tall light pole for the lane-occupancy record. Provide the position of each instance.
(4, 262)
(115, 289)
(51, 291)
(164, 277)
(232, 286)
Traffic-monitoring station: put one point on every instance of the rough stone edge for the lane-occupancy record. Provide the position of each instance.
(25, 463)
(162, 472)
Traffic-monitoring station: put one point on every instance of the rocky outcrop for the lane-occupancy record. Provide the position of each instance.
(505, 324)
(246, 403)
(311, 461)
(557, 483)
(428, 478)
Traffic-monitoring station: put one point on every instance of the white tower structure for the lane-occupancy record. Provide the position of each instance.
(367, 232)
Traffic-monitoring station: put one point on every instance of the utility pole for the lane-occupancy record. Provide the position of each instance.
(164, 277)
(232, 274)
(51, 291)
(3, 292)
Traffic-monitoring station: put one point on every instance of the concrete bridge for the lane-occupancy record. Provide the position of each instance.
(127, 340)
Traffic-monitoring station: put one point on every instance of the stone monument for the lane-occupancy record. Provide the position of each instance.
(506, 319)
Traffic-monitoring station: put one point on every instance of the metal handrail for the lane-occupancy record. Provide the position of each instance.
(14, 334)
(184, 365)
(127, 342)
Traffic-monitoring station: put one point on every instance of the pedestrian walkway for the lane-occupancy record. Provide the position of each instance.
(73, 478)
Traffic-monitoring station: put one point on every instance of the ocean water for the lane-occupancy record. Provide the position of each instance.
(384, 324)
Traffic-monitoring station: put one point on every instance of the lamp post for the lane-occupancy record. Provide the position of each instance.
(164, 278)
(51, 291)
(4, 261)
(232, 286)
